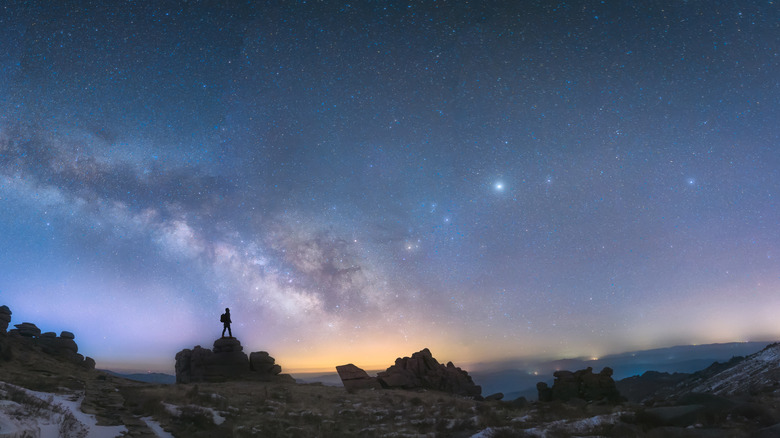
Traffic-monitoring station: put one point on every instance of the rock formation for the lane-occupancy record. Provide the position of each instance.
(261, 362)
(227, 361)
(27, 329)
(5, 318)
(582, 384)
(64, 346)
(355, 378)
(423, 371)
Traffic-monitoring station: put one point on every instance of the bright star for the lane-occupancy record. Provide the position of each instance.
(499, 186)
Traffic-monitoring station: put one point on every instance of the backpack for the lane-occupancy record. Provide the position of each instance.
(222, 318)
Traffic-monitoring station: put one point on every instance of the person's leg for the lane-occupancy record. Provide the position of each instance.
(223, 330)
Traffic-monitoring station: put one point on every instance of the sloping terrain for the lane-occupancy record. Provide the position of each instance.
(45, 394)
(757, 373)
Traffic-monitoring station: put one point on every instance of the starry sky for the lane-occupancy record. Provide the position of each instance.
(358, 181)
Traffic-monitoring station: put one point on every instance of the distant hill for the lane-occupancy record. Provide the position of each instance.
(754, 374)
(520, 377)
(159, 378)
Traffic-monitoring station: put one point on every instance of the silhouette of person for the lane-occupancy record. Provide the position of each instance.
(225, 318)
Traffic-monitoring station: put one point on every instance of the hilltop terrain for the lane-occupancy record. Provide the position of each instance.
(45, 392)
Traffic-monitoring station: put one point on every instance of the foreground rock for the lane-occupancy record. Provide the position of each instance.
(227, 361)
(355, 378)
(582, 384)
(421, 371)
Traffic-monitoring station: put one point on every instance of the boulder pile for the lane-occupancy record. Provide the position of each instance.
(421, 371)
(582, 384)
(226, 361)
(63, 346)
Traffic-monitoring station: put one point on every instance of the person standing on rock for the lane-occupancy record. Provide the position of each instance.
(225, 318)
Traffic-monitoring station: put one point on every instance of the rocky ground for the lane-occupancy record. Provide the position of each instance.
(686, 406)
(262, 409)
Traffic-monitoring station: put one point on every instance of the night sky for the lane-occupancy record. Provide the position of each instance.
(488, 179)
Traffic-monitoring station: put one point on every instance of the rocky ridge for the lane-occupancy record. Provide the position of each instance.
(749, 375)
(420, 371)
(28, 334)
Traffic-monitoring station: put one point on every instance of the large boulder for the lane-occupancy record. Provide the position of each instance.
(191, 364)
(422, 371)
(355, 378)
(582, 384)
(5, 318)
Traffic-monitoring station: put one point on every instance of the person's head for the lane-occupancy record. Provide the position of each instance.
(227, 310)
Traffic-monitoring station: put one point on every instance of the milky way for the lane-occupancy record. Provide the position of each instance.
(360, 181)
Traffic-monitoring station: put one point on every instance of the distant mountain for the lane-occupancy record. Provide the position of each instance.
(520, 377)
(757, 373)
(158, 378)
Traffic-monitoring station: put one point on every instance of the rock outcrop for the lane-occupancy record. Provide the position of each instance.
(5, 319)
(582, 384)
(63, 346)
(227, 361)
(355, 378)
(422, 371)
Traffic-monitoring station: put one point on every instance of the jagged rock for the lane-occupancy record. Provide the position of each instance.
(262, 363)
(497, 396)
(49, 335)
(582, 384)
(355, 378)
(423, 371)
(67, 335)
(5, 318)
(28, 329)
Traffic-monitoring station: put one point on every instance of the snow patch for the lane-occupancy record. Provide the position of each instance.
(487, 433)
(156, 428)
(176, 412)
(47, 414)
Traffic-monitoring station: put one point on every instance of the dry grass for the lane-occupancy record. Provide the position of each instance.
(262, 409)
(290, 410)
